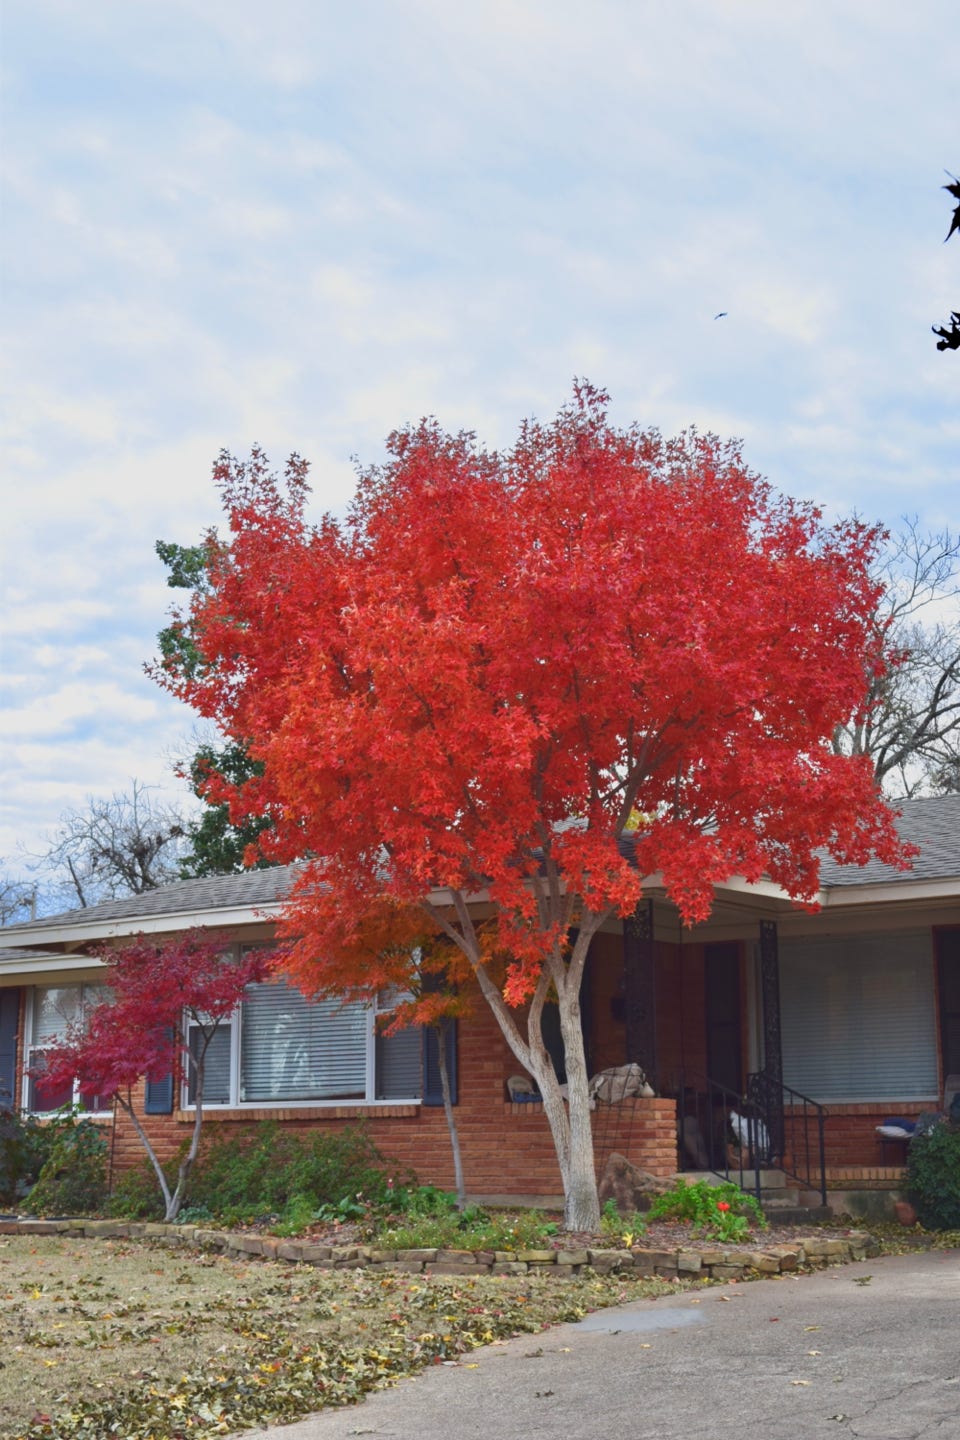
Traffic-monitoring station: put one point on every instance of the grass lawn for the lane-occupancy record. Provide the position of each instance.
(127, 1338)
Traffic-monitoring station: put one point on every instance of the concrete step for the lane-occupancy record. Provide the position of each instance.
(798, 1214)
(786, 1197)
(770, 1180)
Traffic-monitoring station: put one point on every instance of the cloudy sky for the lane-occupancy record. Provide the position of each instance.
(303, 224)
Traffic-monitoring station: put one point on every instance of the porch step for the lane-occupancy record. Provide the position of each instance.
(771, 1181)
(797, 1214)
(784, 1197)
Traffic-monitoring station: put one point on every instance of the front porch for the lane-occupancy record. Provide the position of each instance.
(810, 1030)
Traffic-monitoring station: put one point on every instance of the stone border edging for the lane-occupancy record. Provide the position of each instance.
(714, 1262)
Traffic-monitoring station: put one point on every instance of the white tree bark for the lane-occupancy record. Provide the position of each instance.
(569, 1120)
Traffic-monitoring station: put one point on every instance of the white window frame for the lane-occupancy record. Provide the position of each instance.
(92, 1109)
(233, 1024)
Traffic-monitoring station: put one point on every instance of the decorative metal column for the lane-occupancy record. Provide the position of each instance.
(640, 989)
(767, 1086)
(770, 997)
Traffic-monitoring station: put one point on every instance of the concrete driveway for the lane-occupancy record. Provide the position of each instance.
(869, 1350)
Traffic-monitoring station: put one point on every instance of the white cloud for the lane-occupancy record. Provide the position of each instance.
(228, 224)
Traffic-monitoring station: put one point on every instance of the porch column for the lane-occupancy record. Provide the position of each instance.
(771, 1076)
(640, 989)
(770, 997)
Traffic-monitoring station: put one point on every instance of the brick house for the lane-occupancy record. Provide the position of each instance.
(815, 1028)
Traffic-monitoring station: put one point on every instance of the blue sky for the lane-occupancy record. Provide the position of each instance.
(305, 224)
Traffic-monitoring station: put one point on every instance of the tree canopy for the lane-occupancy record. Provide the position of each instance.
(216, 846)
(500, 666)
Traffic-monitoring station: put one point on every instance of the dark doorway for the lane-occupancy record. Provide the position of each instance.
(948, 972)
(722, 980)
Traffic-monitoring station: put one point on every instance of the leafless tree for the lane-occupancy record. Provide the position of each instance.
(18, 899)
(912, 733)
(122, 846)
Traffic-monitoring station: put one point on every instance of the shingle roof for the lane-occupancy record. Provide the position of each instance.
(214, 892)
(933, 823)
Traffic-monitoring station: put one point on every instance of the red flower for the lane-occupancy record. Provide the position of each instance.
(722, 1205)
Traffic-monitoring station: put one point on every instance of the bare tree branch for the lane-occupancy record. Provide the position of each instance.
(911, 730)
(122, 846)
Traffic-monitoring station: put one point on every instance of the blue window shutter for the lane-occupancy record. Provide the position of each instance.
(432, 1088)
(9, 1024)
(158, 1098)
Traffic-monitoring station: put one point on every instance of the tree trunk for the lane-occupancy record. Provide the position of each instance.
(582, 1202)
(451, 1117)
(569, 1122)
(127, 1106)
(570, 1127)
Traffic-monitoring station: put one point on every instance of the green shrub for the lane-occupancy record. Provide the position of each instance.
(136, 1195)
(423, 1200)
(619, 1226)
(25, 1145)
(933, 1176)
(262, 1172)
(73, 1180)
(471, 1229)
(721, 1212)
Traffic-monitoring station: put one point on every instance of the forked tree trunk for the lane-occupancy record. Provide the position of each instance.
(173, 1200)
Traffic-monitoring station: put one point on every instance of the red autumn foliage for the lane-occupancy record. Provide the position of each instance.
(499, 656)
(138, 1032)
(470, 686)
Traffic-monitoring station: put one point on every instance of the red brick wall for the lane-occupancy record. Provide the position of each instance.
(507, 1149)
(850, 1132)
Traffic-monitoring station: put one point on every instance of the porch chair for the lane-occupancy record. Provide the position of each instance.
(898, 1131)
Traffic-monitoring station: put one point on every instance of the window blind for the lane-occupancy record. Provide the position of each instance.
(292, 1048)
(400, 1065)
(216, 1065)
(857, 1017)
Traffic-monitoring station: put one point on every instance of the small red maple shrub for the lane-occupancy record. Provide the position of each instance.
(140, 1032)
(501, 663)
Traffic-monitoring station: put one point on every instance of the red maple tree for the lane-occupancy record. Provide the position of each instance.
(165, 1001)
(466, 695)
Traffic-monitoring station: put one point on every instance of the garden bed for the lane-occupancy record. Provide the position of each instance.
(665, 1250)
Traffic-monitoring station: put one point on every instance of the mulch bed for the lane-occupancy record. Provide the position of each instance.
(658, 1235)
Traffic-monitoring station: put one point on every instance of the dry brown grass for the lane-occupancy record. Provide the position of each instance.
(123, 1333)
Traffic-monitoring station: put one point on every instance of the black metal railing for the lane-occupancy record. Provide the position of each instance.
(797, 1129)
(738, 1135)
(705, 1138)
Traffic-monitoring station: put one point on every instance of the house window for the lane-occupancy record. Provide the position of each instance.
(283, 1049)
(55, 1010)
(858, 1017)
